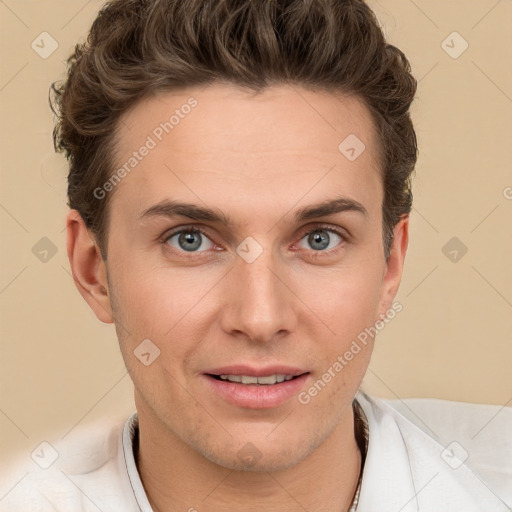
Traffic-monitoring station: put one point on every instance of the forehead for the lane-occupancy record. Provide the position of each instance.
(251, 119)
(224, 144)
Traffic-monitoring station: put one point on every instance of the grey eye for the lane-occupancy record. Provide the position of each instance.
(189, 240)
(320, 239)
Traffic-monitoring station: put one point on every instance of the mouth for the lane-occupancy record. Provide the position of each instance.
(266, 390)
(252, 380)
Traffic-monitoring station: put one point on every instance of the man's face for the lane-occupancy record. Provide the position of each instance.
(258, 292)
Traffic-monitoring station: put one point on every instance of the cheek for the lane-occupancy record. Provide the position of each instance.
(156, 300)
(346, 299)
(167, 307)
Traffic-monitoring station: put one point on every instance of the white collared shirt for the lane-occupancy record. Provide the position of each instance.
(424, 455)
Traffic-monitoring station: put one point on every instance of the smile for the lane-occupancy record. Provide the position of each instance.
(256, 392)
(251, 379)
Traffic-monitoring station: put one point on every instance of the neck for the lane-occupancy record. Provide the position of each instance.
(177, 478)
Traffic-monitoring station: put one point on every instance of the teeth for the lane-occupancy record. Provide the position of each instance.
(249, 379)
(232, 378)
(271, 379)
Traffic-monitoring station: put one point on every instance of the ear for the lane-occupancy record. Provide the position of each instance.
(394, 265)
(87, 266)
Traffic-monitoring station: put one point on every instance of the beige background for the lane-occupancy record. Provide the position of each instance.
(59, 366)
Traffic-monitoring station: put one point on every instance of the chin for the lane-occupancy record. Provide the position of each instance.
(265, 464)
(259, 456)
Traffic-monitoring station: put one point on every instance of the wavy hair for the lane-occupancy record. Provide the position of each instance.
(136, 48)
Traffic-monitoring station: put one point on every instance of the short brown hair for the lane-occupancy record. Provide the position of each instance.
(139, 47)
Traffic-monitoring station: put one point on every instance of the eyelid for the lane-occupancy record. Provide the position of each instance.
(305, 230)
(327, 227)
(193, 228)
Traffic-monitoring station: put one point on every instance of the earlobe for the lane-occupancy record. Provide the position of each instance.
(394, 266)
(87, 267)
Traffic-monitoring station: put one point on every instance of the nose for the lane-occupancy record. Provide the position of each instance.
(259, 303)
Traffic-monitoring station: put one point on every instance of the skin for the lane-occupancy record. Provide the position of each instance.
(258, 159)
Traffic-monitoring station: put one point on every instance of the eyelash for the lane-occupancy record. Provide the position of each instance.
(314, 255)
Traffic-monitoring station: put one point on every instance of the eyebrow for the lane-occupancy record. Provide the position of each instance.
(170, 208)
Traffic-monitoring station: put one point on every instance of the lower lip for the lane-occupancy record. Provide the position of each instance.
(257, 397)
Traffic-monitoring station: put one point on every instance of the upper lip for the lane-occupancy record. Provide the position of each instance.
(253, 371)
